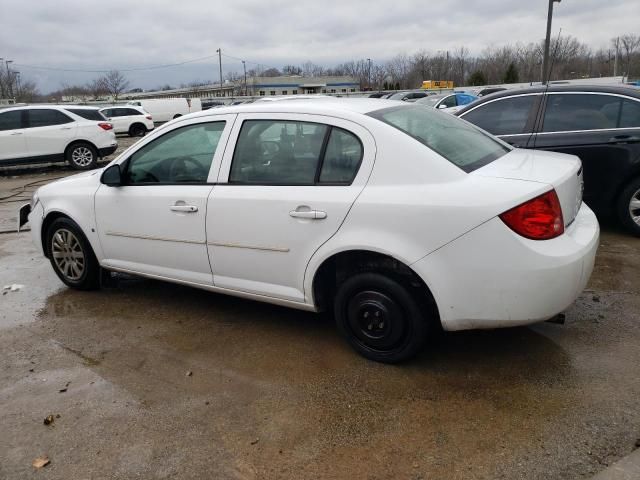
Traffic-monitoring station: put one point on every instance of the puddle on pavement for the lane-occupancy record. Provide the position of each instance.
(287, 377)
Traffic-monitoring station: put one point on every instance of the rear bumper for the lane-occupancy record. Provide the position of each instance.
(106, 151)
(491, 277)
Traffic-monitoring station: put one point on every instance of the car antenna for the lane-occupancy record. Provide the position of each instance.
(544, 96)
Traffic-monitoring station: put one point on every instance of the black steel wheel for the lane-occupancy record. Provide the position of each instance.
(380, 318)
(71, 255)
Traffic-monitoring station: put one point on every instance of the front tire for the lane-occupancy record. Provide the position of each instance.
(82, 156)
(71, 255)
(380, 318)
(628, 207)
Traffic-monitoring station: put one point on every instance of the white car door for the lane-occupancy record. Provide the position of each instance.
(117, 117)
(155, 222)
(49, 132)
(286, 184)
(12, 139)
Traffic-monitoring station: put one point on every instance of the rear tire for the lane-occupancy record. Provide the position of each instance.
(82, 156)
(71, 255)
(628, 207)
(137, 130)
(380, 318)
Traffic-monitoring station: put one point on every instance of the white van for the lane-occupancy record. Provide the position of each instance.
(165, 109)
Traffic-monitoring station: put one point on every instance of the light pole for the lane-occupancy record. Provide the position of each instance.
(369, 74)
(244, 66)
(219, 52)
(1, 83)
(547, 41)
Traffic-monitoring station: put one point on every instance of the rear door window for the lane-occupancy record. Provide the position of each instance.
(342, 157)
(11, 120)
(570, 112)
(279, 152)
(88, 114)
(44, 117)
(505, 116)
(630, 115)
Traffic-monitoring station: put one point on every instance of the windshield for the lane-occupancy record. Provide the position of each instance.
(458, 141)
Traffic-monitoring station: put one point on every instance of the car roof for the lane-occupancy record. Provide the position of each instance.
(622, 90)
(323, 106)
(53, 106)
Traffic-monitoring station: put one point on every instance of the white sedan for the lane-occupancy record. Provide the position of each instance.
(398, 218)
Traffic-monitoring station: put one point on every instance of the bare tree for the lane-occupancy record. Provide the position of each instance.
(97, 88)
(630, 43)
(115, 83)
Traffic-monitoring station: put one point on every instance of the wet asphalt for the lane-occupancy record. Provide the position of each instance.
(153, 380)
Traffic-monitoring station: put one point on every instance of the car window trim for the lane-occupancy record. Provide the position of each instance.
(124, 165)
(321, 158)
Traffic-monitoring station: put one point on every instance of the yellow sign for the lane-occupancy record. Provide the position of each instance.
(429, 84)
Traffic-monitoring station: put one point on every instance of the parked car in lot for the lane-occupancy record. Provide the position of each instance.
(129, 119)
(410, 96)
(394, 216)
(53, 133)
(601, 125)
(165, 109)
(447, 100)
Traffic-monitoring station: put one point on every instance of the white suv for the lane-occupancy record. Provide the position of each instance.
(134, 121)
(53, 133)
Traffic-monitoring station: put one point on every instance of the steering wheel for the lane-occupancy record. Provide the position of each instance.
(178, 170)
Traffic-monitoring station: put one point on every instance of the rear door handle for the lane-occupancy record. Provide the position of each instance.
(624, 138)
(183, 208)
(312, 214)
(16, 133)
(65, 128)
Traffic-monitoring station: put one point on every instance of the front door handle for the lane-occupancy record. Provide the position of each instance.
(311, 214)
(16, 133)
(65, 128)
(183, 208)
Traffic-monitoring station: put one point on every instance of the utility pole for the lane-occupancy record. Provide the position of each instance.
(369, 74)
(2, 95)
(244, 66)
(547, 41)
(615, 59)
(7, 62)
(219, 52)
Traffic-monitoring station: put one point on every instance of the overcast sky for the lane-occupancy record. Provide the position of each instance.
(119, 34)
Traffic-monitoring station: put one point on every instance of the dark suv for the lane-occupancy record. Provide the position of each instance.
(601, 125)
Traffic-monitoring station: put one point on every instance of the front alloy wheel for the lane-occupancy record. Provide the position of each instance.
(68, 255)
(71, 255)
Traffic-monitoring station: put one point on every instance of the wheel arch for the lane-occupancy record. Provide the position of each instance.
(335, 268)
(136, 124)
(55, 213)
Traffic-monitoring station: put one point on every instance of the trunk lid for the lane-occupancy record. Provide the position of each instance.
(562, 172)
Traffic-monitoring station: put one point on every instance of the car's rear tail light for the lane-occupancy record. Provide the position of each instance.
(105, 126)
(149, 117)
(537, 219)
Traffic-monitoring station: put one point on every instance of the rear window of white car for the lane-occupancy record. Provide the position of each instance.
(456, 140)
(88, 114)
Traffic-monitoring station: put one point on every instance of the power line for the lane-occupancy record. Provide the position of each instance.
(132, 69)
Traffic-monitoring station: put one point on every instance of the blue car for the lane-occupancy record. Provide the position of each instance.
(447, 100)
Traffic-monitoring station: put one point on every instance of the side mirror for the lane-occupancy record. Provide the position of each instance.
(442, 106)
(112, 177)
